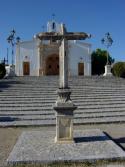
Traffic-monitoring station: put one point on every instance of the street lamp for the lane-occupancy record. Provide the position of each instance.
(12, 39)
(107, 41)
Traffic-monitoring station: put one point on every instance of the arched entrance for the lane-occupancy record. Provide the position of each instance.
(52, 65)
(80, 68)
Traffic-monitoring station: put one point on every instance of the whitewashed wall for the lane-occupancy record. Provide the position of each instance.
(78, 50)
(27, 52)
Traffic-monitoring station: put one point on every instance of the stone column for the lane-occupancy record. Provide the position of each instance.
(64, 106)
(63, 62)
(42, 60)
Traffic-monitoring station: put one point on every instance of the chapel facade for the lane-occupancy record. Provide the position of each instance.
(40, 58)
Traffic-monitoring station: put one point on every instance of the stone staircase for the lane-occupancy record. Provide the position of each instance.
(27, 101)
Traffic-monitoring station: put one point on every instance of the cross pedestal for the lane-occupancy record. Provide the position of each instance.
(64, 107)
(64, 116)
(107, 70)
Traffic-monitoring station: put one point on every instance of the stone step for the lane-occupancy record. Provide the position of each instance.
(53, 93)
(27, 101)
(98, 115)
(50, 99)
(100, 121)
(47, 95)
(50, 104)
(81, 121)
(9, 100)
(48, 111)
(52, 116)
(56, 82)
(52, 87)
(49, 89)
(27, 111)
(31, 108)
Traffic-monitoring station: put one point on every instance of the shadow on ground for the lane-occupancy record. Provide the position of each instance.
(8, 119)
(6, 83)
(90, 139)
(119, 141)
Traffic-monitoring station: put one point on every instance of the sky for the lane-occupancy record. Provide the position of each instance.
(95, 17)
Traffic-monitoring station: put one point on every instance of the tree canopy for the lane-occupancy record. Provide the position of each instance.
(119, 69)
(2, 71)
(99, 60)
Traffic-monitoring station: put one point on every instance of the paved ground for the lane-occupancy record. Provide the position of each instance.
(9, 136)
(39, 147)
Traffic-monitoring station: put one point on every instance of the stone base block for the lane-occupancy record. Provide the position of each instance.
(39, 147)
(107, 71)
(64, 128)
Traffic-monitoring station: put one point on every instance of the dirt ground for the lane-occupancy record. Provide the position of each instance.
(9, 136)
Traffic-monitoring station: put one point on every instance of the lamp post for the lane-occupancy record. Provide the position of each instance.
(107, 41)
(12, 40)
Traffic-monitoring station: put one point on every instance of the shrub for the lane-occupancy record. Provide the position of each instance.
(2, 71)
(118, 69)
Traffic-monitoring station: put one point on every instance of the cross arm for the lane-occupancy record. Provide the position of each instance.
(59, 36)
(77, 36)
(49, 35)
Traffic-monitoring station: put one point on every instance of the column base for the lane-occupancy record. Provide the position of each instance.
(64, 141)
(107, 71)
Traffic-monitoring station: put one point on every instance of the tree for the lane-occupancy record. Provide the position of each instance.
(118, 69)
(2, 70)
(99, 59)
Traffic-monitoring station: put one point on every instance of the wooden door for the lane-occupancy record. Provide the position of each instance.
(52, 65)
(26, 68)
(80, 68)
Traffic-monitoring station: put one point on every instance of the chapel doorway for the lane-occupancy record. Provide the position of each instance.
(52, 65)
(26, 68)
(80, 68)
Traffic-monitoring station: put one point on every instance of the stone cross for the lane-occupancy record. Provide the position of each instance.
(64, 106)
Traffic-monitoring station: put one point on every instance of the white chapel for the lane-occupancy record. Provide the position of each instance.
(39, 58)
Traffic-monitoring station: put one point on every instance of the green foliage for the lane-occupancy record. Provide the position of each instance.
(118, 69)
(99, 59)
(2, 71)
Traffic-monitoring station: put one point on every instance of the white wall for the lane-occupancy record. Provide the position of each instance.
(27, 52)
(78, 50)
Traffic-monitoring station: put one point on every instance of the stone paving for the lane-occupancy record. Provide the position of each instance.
(39, 147)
